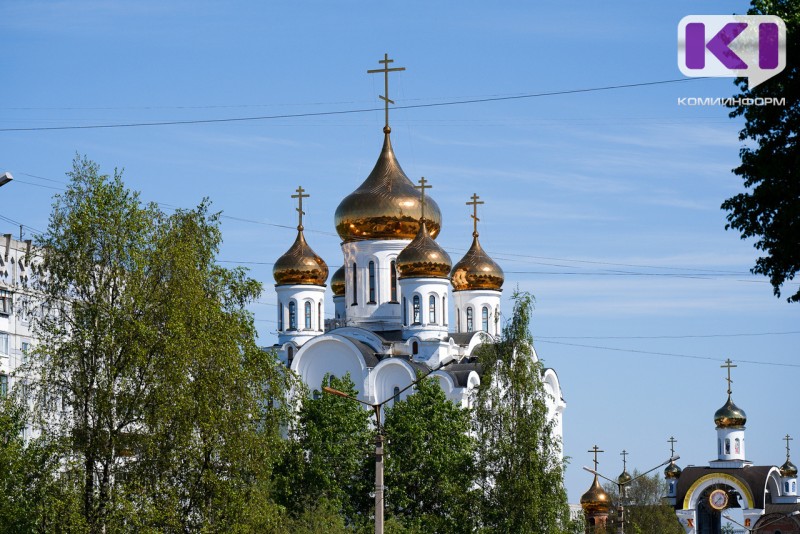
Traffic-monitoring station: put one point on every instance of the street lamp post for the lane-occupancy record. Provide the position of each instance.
(379, 442)
(5, 178)
(622, 487)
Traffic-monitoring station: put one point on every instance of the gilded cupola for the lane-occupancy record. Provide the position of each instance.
(730, 416)
(300, 265)
(337, 282)
(672, 471)
(596, 500)
(423, 258)
(386, 205)
(788, 469)
(476, 270)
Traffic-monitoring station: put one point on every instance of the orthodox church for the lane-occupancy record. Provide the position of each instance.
(766, 495)
(401, 306)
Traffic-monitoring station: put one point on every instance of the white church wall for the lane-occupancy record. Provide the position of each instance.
(334, 355)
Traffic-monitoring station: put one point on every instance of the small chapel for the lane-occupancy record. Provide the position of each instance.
(401, 306)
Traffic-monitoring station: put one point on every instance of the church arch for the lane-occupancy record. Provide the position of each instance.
(332, 354)
(695, 491)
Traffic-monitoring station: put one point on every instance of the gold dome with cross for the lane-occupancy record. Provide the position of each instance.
(300, 265)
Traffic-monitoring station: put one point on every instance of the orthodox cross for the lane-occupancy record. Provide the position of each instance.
(300, 196)
(422, 187)
(787, 439)
(672, 441)
(624, 455)
(474, 215)
(386, 70)
(728, 365)
(595, 450)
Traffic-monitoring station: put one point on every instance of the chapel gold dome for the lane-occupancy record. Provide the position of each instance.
(476, 270)
(386, 205)
(730, 416)
(624, 477)
(672, 470)
(596, 499)
(423, 258)
(300, 265)
(788, 469)
(337, 282)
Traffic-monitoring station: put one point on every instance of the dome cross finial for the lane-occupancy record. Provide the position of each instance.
(728, 365)
(300, 196)
(672, 441)
(624, 455)
(595, 450)
(787, 439)
(386, 70)
(474, 215)
(422, 187)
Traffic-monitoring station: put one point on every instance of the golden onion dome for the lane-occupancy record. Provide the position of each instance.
(596, 499)
(672, 470)
(788, 469)
(423, 257)
(476, 270)
(730, 416)
(624, 477)
(300, 265)
(337, 282)
(386, 205)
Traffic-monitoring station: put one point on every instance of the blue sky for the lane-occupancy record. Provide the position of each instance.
(604, 205)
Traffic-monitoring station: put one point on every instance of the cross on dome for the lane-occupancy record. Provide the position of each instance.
(422, 187)
(787, 439)
(728, 365)
(474, 215)
(595, 450)
(672, 441)
(300, 196)
(624, 455)
(386, 70)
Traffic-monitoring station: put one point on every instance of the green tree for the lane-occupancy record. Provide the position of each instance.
(770, 164)
(645, 511)
(331, 455)
(430, 468)
(520, 474)
(149, 379)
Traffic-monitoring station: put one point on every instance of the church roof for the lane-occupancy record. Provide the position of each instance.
(370, 358)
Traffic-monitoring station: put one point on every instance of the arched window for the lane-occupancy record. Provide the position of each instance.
(307, 311)
(405, 311)
(319, 316)
(727, 446)
(794, 487)
(458, 320)
(417, 318)
(444, 310)
(485, 319)
(396, 395)
(786, 486)
(372, 282)
(280, 317)
(736, 446)
(469, 319)
(292, 316)
(432, 309)
(415, 348)
(719, 447)
(290, 352)
(393, 280)
(355, 285)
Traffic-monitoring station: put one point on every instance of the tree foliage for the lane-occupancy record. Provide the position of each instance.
(150, 382)
(645, 511)
(520, 473)
(770, 164)
(430, 462)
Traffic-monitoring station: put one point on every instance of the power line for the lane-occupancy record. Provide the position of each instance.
(347, 111)
(670, 354)
(686, 336)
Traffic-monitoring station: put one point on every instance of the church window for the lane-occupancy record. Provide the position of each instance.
(415, 348)
(736, 445)
(458, 320)
(444, 310)
(786, 487)
(794, 487)
(307, 311)
(319, 316)
(355, 285)
(485, 319)
(290, 352)
(469, 319)
(719, 447)
(432, 309)
(280, 317)
(727, 446)
(372, 282)
(393, 282)
(405, 311)
(3, 385)
(671, 488)
(417, 319)
(396, 395)
(292, 316)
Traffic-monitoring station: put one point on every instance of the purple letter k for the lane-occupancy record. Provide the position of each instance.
(718, 45)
